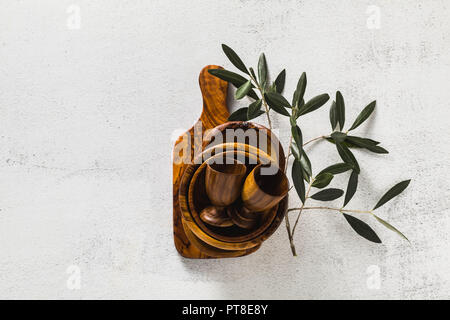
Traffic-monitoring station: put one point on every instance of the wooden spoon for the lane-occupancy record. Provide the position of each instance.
(216, 216)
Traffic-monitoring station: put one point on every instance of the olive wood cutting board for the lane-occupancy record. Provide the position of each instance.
(214, 113)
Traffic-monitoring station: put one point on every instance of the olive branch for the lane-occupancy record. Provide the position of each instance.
(270, 97)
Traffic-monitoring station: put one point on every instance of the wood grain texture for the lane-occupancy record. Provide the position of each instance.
(188, 237)
(195, 200)
(262, 192)
(223, 182)
(214, 113)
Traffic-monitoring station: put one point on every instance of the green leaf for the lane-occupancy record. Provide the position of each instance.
(234, 58)
(297, 135)
(239, 115)
(297, 177)
(296, 151)
(328, 194)
(349, 144)
(333, 116)
(301, 86)
(351, 187)
(280, 81)
(254, 109)
(295, 98)
(243, 90)
(340, 109)
(252, 72)
(377, 149)
(347, 156)
(277, 102)
(262, 70)
(306, 165)
(393, 192)
(337, 168)
(234, 78)
(368, 144)
(314, 104)
(390, 227)
(322, 180)
(278, 99)
(367, 111)
(338, 136)
(256, 115)
(362, 228)
(361, 142)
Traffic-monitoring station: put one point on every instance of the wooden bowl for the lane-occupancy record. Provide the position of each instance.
(191, 224)
(272, 141)
(198, 200)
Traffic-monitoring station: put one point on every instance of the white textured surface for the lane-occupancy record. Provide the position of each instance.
(86, 120)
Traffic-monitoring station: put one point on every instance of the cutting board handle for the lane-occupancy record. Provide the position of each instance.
(214, 93)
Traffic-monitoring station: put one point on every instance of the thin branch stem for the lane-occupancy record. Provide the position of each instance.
(303, 205)
(289, 154)
(290, 236)
(329, 208)
(317, 138)
(263, 100)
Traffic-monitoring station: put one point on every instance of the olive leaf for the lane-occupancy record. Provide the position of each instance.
(351, 187)
(313, 104)
(277, 102)
(337, 168)
(280, 81)
(242, 115)
(234, 58)
(322, 180)
(338, 136)
(340, 109)
(254, 109)
(262, 70)
(390, 227)
(349, 144)
(239, 115)
(297, 177)
(234, 78)
(366, 143)
(295, 98)
(362, 228)
(365, 113)
(296, 152)
(252, 72)
(333, 116)
(347, 156)
(393, 192)
(278, 99)
(306, 165)
(243, 90)
(300, 90)
(297, 135)
(328, 194)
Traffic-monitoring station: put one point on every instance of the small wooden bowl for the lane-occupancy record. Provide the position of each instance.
(198, 200)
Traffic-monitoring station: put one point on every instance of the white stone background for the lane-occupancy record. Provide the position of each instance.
(86, 125)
